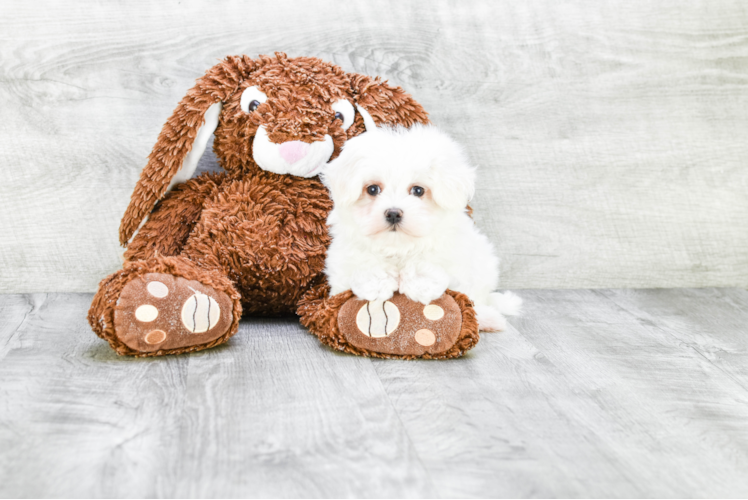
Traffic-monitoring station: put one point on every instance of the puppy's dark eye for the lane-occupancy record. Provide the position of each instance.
(417, 191)
(253, 105)
(339, 116)
(373, 190)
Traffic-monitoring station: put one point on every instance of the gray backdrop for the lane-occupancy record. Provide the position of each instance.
(610, 135)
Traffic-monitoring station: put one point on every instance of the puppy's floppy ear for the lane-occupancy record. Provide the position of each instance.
(341, 176)
(387, 104)
(453, 177)
(183, 139)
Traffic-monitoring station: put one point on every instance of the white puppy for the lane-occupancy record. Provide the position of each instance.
(400, 222)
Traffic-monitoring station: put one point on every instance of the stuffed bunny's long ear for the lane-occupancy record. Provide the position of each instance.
(387, 104)
(173, 160)
(183, 139)
(198, 147)
(368, 120)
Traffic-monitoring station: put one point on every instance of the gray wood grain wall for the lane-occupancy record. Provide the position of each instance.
(611, 136)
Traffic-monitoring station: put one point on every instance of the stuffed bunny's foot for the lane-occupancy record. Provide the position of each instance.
(161, 312)
(395, 328)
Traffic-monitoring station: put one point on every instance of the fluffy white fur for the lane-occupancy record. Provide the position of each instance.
(435, 246)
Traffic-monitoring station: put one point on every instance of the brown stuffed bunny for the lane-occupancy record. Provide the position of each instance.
(252, 240)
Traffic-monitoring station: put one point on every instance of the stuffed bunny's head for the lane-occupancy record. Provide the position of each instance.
(284, 116)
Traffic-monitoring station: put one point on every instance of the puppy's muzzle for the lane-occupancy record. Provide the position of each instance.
(393, 216)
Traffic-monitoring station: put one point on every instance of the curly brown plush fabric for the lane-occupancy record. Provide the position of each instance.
(257, 236)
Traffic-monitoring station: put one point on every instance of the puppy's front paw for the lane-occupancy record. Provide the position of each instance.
(424, 286)
(422, 290)
(374, 286)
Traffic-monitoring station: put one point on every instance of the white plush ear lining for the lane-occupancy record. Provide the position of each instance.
(198, 146)
(368, 120)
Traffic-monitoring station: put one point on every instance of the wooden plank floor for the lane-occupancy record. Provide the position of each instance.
(612, 393)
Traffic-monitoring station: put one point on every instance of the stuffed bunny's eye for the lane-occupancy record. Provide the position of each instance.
(417, 191)
(373, 190)
(252, 97)
(344, 112)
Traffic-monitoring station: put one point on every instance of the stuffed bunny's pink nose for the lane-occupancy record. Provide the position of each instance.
(293, 151)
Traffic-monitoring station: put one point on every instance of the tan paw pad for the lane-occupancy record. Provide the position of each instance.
(425, 337)
(155, 337)
(433, 312)
(378, 318)
(146, 313)
(200, 313)
(158, 289)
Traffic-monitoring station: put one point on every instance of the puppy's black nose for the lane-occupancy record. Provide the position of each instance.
(393, 215)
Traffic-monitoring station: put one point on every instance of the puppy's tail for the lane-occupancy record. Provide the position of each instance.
(507, 303)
